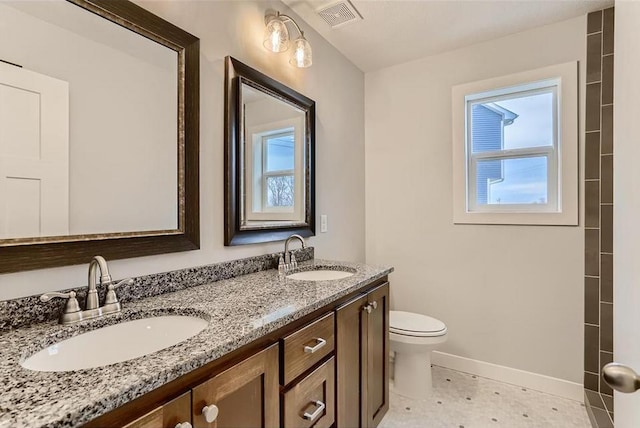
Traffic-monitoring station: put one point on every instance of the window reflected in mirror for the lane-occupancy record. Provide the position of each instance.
(274, 153)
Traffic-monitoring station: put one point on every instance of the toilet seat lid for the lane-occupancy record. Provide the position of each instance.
(412, 324)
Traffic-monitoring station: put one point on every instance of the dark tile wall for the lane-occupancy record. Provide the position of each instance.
(598, 254)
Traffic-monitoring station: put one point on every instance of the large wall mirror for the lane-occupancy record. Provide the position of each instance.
(269, 148)
(99, 113)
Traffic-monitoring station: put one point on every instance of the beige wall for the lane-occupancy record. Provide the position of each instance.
(235, 28)
(510, 295)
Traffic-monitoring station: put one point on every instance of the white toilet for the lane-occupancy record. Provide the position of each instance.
(413, 337)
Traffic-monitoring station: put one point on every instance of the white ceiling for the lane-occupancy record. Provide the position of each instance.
(397, 31)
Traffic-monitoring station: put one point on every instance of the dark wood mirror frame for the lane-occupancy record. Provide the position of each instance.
(38, 253)
(237, 73)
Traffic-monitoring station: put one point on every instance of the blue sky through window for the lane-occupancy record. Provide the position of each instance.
(280, 152)
(525, 182)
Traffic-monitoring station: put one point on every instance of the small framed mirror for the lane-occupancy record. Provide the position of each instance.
(269, 158)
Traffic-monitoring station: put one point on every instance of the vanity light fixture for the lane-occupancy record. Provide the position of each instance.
(276, 39)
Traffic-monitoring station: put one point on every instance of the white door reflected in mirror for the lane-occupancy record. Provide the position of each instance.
(34, 154)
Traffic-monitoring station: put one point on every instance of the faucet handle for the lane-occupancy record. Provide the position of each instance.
(48, 296)
(127, 281)
(111, 293)
(72, 304)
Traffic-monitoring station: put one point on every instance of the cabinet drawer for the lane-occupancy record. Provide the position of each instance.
(307, 346)
(311, 402)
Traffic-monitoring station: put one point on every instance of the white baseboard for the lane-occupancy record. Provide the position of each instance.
(538, 382)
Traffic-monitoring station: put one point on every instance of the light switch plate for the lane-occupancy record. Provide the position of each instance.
(323, 223)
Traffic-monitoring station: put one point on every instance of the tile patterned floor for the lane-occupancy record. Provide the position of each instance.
(461, 400)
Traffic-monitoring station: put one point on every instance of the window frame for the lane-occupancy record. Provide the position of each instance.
(551, 153)
(564, 151)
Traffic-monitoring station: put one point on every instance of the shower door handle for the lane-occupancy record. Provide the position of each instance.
(621, 378)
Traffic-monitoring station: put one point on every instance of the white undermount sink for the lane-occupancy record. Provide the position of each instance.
(320, 275)
(115, 343)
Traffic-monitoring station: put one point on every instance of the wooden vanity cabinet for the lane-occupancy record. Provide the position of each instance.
(362, 355)
(327, 369)
(244, 396)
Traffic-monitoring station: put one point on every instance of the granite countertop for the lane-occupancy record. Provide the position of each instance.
(239, 310)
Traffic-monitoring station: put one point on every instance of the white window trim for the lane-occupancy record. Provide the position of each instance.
(255, 138)
(566, 213)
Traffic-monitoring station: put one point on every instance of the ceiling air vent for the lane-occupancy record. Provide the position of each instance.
(339, 14)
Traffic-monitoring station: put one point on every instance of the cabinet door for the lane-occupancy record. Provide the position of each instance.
(245, 395)
(351, 348)
(362, 354)
(376, 367)
(169, 415)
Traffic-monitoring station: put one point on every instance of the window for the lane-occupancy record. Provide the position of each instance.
(512, 146)
(274, 171)
(278, 168)
(515, 148)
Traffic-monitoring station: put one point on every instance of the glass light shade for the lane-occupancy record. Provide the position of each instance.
(276, 36)
(301, 55)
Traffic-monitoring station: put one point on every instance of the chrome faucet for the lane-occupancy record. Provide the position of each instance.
(289, 259)
(72, 312)
(105, 279)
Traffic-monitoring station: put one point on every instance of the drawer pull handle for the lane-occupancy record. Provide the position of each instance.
(312, 349)
(313, 416)
(184, 425)
(210, 413)
(367, 308)
(374, 304)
